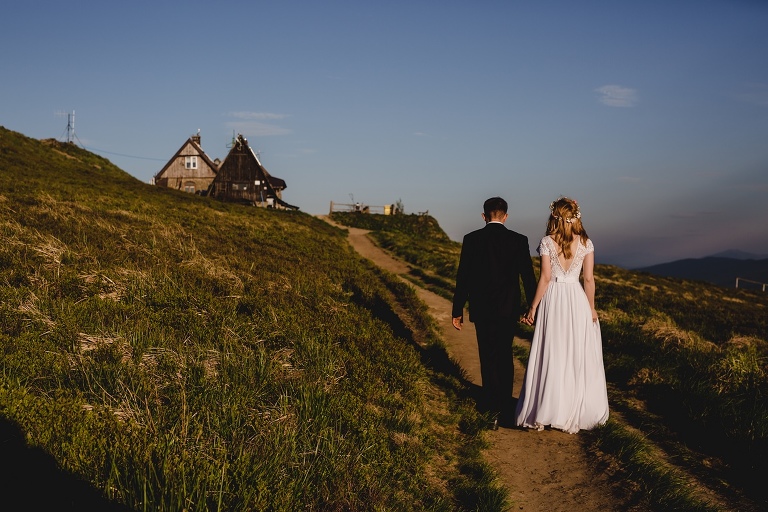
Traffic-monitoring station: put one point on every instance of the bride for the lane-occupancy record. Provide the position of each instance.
(565, 380)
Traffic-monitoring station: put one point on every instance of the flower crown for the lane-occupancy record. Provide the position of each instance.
(569, 220)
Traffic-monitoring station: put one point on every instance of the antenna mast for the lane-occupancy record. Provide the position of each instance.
(70, 126)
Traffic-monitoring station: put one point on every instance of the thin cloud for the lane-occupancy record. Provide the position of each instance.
(617, 96)
(754, 93)
(257, 129)
(259, 116)
(692, 215)
(256, 124)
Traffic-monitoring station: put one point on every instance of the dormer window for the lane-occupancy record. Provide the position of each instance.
(190, 162)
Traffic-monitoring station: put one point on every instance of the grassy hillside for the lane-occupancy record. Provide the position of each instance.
(175, 352)
(417, 239)
(415, 226)
(687, 364)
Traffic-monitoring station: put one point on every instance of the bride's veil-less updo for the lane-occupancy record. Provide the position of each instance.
(564, 223)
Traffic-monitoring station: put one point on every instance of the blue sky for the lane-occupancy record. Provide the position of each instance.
(652, 114)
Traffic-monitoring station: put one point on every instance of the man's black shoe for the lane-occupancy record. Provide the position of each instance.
(507, 421)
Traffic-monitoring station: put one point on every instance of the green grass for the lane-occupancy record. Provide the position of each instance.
(412, 225)
(181, 353)
(688, 360)
(661, 485)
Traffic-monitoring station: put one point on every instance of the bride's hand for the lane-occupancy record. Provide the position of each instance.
(530, 316)
(594, 315)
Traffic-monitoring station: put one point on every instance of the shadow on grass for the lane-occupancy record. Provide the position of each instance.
(30, 479)
(690, 452)
(446, 372)
(433, 356)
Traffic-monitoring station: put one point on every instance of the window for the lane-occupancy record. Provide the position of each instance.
(189, 187)
(190, 162)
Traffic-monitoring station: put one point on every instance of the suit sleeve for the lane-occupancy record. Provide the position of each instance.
(461, 292)
(526, 270)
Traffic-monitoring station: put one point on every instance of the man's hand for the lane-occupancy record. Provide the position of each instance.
(457, 322)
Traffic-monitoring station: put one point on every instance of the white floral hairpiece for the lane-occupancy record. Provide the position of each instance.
(569, 220)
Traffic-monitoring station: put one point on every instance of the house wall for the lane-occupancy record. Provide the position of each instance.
(242, 192)
(179, 177)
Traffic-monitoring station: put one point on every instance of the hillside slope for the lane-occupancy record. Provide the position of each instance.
(687, 365)
(175, 352)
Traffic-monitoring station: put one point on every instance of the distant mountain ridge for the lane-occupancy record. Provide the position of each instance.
(739, 255)
(718, 269)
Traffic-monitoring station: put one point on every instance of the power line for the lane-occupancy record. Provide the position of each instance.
(71, 136)
(96, 150)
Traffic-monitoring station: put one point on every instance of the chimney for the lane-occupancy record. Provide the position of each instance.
(196, 138)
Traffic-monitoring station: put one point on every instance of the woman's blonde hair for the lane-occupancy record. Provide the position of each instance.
(564, 223)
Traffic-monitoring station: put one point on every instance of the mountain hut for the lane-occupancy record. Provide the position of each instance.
(242, 179)
(190, 169)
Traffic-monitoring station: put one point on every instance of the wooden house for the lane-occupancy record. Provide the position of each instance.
(242, 179)
(190, 169)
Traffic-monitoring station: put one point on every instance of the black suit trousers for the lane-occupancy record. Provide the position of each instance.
(497, 369)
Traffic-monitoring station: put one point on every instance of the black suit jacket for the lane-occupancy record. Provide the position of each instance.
(493, 260)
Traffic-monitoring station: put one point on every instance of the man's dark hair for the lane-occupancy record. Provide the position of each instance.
(494, 205)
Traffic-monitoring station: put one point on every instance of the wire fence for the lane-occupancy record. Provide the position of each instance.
(749, 286)
(387, 209)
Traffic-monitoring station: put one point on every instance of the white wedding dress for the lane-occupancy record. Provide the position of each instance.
(565, 380)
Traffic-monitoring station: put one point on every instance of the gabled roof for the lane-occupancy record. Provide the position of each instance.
(274, 181)
(192, 141)
(241, 142)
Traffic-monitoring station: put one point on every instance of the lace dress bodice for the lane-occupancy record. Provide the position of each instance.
(549, 247)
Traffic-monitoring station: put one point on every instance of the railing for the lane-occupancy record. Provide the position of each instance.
(749, 281)
(388, 209)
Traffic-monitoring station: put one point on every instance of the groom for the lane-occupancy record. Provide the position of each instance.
(493, 261)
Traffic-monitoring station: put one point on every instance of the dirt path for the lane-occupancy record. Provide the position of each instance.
(543, 470)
